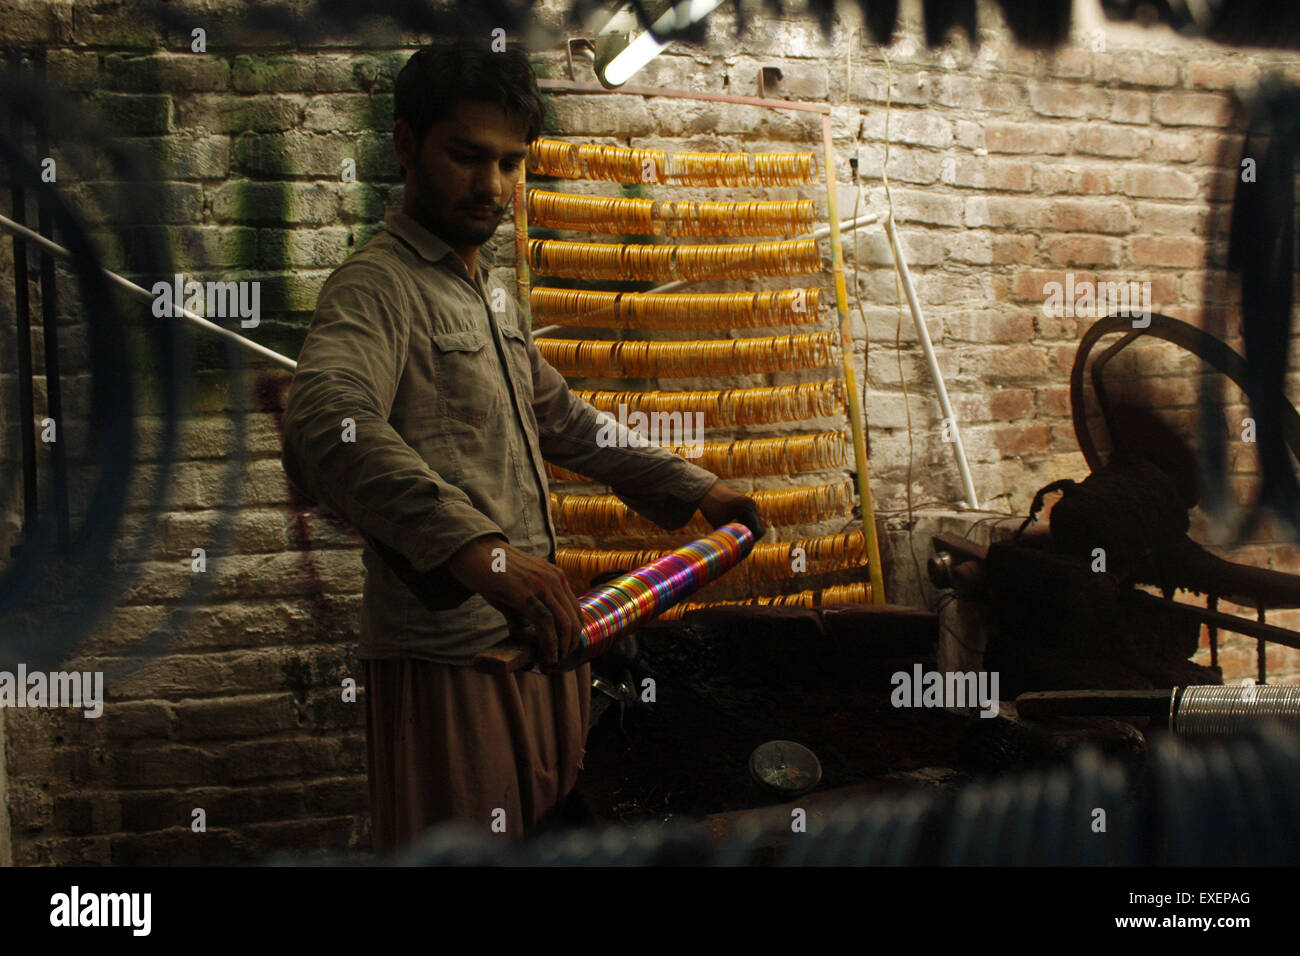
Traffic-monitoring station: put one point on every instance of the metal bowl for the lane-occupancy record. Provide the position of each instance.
(785, 767)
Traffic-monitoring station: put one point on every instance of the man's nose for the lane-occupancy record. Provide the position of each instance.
(488, 181)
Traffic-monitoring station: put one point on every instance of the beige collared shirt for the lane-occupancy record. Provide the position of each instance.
(424, 418)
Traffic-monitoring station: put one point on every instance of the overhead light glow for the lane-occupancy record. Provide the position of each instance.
(645, 47)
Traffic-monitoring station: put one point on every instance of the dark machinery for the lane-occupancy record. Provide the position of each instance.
(1065, 611)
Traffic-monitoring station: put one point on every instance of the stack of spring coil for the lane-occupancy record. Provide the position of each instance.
(1220, 710)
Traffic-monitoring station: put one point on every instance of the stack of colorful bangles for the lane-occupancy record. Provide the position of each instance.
(626, 602)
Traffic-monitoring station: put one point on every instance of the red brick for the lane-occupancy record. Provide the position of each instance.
(969, 134)
(942, 289)
(1076, 178)
(1192, 109)
(1067, 100)
(1086, 215)
(1008, 363)
(1178, 147)
(985, 248)
(1130, 106)
(1053, 401)
(1098, 140)
(1003, 137)
(1172, 220)
(932, 208)
(912, 89)
(977, 93)
(990, 326)
(1000, 211)
(1159, 183)
(905, 165)
(1016, 440)
(1219, 183)
(1062, 357)
(1164, 287)
(1175, 251)
(1221, 149)
(1212, 286)
(1221, 74)
(916, 127)
(1030, 284)
(1051, 328)
(1083, 250)
(1136, 69)
(1011, 404)
(1070, 64)
(985, 173)
(1009, 250)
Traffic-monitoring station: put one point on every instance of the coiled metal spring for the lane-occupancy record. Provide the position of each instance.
(1216, 711)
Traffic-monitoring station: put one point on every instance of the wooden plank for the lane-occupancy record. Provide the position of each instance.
(505, 658)
(1094, 703)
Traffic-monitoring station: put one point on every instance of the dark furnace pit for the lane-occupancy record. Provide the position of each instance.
(729, 679)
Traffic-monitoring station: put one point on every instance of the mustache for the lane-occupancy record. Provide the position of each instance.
(497, 208)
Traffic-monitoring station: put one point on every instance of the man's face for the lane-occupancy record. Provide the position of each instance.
(461, 180)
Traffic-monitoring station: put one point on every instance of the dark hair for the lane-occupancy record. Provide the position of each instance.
(440, 76)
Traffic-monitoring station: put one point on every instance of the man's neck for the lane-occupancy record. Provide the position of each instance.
(469, 257)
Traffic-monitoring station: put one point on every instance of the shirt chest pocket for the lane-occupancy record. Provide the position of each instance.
(467, 376)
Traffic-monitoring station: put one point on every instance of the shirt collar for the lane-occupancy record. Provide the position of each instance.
(426, 244)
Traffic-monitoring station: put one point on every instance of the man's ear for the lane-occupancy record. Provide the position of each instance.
(404, 144)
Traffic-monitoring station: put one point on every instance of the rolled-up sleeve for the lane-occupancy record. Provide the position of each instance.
(650, 480)
(339, 445)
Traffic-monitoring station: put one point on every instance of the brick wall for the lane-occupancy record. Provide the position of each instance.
(1008, 170)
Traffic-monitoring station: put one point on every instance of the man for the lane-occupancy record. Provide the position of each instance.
(422, 412)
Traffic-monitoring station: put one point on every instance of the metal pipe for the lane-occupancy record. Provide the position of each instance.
(1228, 622)
(923, 334)
(19, 230)
(570, 86)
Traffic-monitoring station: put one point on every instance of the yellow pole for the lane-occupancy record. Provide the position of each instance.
(523, 280)
(850, 378)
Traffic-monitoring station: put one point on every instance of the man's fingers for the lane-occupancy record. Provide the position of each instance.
(565, 608)
(544, 621)
(568, 619)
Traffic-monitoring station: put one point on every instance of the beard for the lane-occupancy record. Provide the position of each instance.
(458, 226)
(472, 231)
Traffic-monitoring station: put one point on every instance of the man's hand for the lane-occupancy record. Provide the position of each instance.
(722, 505)
(525, 587)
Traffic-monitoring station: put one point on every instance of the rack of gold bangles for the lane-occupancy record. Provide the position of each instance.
(658, 231)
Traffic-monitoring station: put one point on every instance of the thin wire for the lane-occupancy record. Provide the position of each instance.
(942, 604)
(898, 330)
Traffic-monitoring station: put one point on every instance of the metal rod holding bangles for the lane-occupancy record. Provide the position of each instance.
(523, 278)
(874, 570)
(140, 291)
